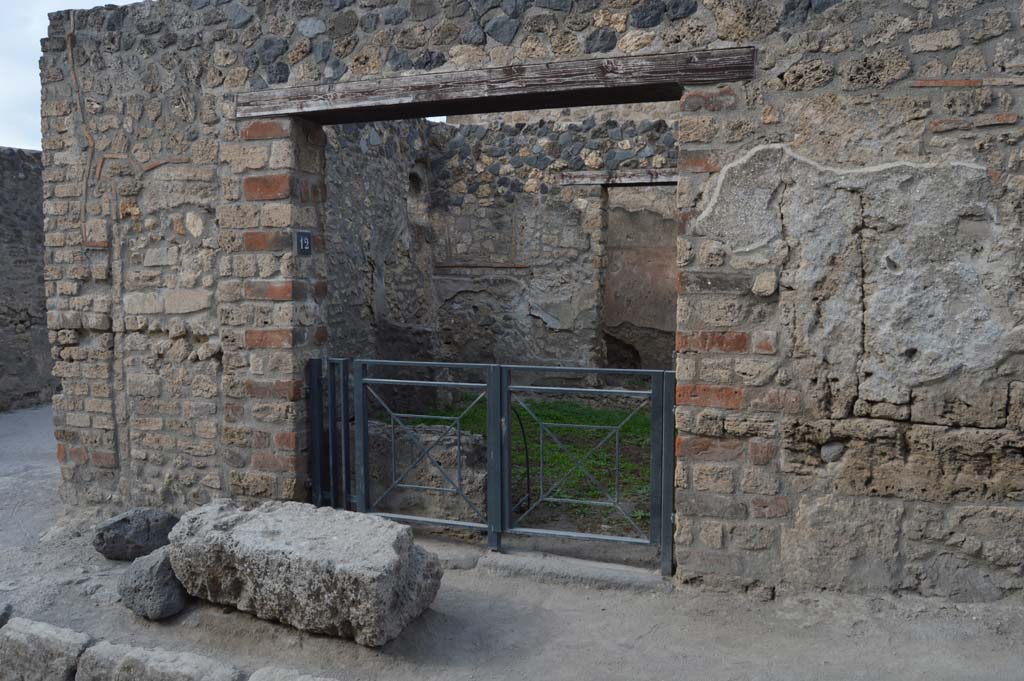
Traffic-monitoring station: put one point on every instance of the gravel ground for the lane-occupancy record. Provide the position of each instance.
(486, 627)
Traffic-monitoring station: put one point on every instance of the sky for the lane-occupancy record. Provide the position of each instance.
(24, 25)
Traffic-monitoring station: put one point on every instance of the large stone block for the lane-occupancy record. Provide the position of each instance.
(843, 544)
(109, 662)
(320, 570)
(34, 651)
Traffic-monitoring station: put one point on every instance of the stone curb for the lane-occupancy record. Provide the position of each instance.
(453, 556)
(560, 570)
(36, 651)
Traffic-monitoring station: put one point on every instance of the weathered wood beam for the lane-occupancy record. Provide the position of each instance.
(620, 177)
(584, 82)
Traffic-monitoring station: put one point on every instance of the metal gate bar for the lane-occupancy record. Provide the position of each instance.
(340, 468)
(329, 432)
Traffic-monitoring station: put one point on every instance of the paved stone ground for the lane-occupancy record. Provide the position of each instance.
(483, 626)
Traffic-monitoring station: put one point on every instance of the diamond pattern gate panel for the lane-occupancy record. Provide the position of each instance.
(569, 452)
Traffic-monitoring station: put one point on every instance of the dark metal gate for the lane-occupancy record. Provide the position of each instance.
(496, 447)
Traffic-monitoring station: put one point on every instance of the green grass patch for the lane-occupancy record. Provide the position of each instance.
(561, 458)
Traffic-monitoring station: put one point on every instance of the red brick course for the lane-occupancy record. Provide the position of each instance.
(265, 130)
(269, 338)
(267, 187)
(761, 452)
(720, 396)
(708, 448)
(275, 290)
(266, 241)
(287, 389)
(699, 162)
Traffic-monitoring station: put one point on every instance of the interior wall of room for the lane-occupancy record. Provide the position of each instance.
(464, 243)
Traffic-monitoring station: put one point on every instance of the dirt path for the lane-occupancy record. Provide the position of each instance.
(487, 627)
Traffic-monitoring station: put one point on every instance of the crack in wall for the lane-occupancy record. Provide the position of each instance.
(858, 231)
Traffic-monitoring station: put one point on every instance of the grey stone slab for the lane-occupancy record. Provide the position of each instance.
(109, 662)
(35, 651)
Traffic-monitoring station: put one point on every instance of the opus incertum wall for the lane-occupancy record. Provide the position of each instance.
(851, 387)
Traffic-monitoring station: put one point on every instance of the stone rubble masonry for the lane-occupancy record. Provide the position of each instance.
(819, 448)
(843, 421)
(849, 211)
(25, 363)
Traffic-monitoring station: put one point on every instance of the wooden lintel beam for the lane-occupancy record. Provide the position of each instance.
(584, 82)
(621, 177)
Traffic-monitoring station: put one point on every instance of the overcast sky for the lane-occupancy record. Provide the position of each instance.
(24, 25)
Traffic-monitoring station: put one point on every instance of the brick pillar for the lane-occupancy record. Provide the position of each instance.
(730, 505)
(76, 271)
(268, 303)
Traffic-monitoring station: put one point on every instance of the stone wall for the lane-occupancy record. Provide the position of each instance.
(849, 401)
(380, 299)
(25, 362)
(849, 354)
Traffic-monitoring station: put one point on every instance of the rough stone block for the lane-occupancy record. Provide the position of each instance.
(721, 396)
(320, 570)
(134, 533)
(184, 301)
(713, 477)
(725, 507)
(34, 651)
(143, 303)
(933, 42)
(844, 544)
(149, 588)
(109, 662)
(971, 553)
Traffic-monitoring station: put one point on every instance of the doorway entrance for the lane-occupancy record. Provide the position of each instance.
(420, 428)
(500, 449)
